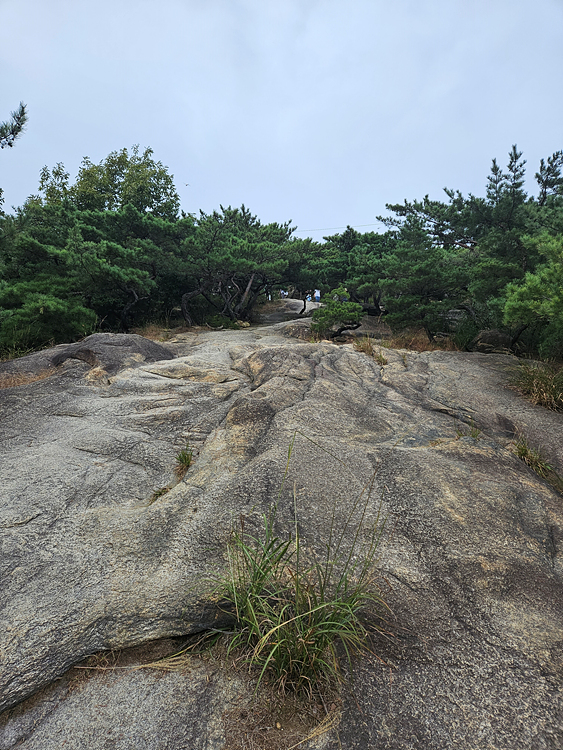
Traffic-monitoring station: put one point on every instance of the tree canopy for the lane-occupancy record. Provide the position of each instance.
(111, 249)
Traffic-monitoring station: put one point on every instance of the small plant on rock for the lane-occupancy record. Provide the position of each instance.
(532, 458)
(471, 430)
(296, 616)
(184, 460)
(365, 345)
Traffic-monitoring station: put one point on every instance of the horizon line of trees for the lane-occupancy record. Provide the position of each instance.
(113, 249)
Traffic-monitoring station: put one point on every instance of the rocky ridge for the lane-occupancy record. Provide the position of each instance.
(93, 560)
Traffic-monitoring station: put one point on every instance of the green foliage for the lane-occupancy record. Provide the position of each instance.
(13, 128)
(111, 245)
(296, 616)
(419, 280)
(337, 314)
(184, 460)
(234, 260)
(541, 383)
(221, 321)
(538, 298)
(489, 239)
(31, 316)
(121, 179)
(470, 430)
(532, 458)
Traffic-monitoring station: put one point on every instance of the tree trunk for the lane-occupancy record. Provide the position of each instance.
(184, 305)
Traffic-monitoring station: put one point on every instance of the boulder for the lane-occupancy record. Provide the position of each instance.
(491, 341)
(95, 558)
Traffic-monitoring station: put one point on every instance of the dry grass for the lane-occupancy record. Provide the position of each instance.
(541, 383)
(366, 346)
(14, 379)
(417, 341)
(153, 331)
(262, 720)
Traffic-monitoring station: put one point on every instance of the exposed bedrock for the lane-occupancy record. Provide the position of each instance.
(94, 558)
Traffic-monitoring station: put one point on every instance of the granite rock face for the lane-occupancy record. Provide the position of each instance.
(93, 558)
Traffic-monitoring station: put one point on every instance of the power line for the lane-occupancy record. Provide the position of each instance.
(331, 229)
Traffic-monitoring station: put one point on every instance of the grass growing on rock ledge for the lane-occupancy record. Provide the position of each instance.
(15, 379)
(366, 345)
(541, 383)
(535, 460)
(300, 619)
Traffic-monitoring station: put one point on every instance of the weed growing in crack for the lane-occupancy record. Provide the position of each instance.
(532, 458)
(471, 431)
(184, 460)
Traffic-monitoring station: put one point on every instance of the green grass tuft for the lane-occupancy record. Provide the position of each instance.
(184, 460)
(532, 458)
(298, 618)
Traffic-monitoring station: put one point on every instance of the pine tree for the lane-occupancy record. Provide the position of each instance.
(13, 128)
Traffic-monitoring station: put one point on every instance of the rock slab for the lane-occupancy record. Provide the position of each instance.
(95, 558)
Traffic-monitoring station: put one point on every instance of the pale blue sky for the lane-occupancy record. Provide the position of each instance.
(319, 111)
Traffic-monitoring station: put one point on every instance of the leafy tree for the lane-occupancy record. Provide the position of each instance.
(120, 179)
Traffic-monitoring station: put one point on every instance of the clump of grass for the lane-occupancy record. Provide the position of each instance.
(159, 493)
(470, 430)
(296, 616)
(417, 340)
(365, 345)
(541, 383)
(184, 460)
(532, 458)
(14, 379)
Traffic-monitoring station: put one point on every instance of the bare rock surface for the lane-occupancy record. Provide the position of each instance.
(93, 558)
(279, 311)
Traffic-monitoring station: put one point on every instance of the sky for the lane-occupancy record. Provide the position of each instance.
(314, 111)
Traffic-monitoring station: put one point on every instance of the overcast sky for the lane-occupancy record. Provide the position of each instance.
(319, 111)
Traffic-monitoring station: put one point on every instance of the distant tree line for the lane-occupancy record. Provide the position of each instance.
(113, 250)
